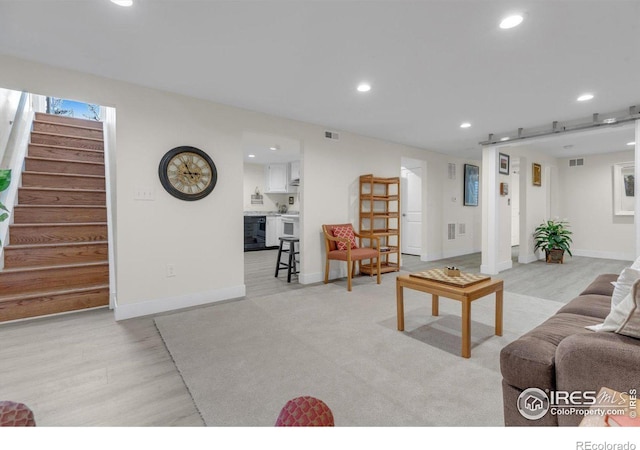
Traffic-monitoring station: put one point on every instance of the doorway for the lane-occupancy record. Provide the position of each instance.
(411, 206)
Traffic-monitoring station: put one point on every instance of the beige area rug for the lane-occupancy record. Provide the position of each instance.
(243, 360)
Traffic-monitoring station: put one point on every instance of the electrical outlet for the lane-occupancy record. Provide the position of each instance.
(171, 270)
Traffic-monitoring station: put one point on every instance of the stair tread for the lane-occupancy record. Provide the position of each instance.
(57, 244)
(53, 266)
(52, 291)
(61, 206)
(66, 147)
(53, 189)
(54, 118)
(58, 224)
(69, 161)
(46, 133)
(70, 125)
(63, 174)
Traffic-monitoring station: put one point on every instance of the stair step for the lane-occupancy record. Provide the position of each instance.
(66, 129)
(48, 196)
(55, 301)
(35, 255)
(38, 137)
(25, 234)
(66, 153)
(88, 123)
(59, 214)
(33, 280)
(62, 180)
(48, 165)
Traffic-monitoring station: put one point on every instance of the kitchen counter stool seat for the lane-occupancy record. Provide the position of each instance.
(291, 264)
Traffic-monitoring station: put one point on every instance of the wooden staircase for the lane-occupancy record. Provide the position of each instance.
(56, 258)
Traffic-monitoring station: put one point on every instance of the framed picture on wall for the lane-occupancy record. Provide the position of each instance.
(503, 163)
(471, 184)
(537, 174)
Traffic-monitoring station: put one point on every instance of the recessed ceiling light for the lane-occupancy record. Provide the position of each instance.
(465, 125)
(511, 21)
(364, 87)
(585, 97)
(609, 121)
(631, 143)
(252, 156)
(273, 148)
(122, 2)
(506, 138)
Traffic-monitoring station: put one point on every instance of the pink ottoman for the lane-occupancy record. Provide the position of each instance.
(14, 414)
(305, 412)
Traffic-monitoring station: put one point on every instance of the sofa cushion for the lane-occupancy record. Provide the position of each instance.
(530, 361)
(593, 305)
(602, 285)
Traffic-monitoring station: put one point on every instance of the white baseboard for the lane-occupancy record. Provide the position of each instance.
(527, 259)
(461, 252)
(622, 256)
(310, 278)
(502, 265)
(147, 307)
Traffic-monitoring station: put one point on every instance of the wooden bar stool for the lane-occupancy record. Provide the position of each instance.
(291, 262)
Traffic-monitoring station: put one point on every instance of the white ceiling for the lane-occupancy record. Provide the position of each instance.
(432, 64)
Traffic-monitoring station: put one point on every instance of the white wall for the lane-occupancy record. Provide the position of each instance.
(536, 203)
(454, 211)
(9, 100)
(587, 202)
(203, 239)
(254, 176)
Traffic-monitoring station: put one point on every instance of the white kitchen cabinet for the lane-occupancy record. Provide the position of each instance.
(277, 178)
(273, 231)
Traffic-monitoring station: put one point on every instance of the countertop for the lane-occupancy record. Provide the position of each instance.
(271, 213)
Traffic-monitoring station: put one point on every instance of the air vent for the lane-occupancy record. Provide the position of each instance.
(331, 135)
(452, 171)
(451, 234)
(462, 229)
(576, 162)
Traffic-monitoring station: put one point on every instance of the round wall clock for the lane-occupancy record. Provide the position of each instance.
(187, 173)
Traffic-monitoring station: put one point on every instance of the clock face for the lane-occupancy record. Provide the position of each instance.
(187, 173)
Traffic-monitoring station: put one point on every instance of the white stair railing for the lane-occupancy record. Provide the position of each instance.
(12, 157)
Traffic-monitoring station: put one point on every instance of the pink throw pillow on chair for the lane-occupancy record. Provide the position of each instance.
(345, 232)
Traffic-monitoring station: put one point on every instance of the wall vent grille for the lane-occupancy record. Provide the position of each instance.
(452, 171)
(576, 162)
(331, 135)
(462, 229)
(451, 231)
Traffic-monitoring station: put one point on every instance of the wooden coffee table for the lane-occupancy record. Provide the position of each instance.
(465, 294)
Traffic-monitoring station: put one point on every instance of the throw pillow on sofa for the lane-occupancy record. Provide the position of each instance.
(622, 288)
(625, 317)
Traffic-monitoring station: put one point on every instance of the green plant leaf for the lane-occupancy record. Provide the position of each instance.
(5, 179)
(3, 207)
(3, 217)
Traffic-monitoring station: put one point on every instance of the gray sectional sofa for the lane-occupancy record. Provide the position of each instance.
(562, 355)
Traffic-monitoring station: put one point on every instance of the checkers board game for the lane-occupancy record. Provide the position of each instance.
(464, 280)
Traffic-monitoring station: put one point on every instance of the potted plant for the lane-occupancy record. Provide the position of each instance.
(554, 237)
(5, 180)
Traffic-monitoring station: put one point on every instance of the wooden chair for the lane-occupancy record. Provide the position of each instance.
(349, 255)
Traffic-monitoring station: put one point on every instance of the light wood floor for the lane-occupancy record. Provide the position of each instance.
(85, 369)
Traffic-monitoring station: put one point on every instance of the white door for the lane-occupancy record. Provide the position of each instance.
(411, 199)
